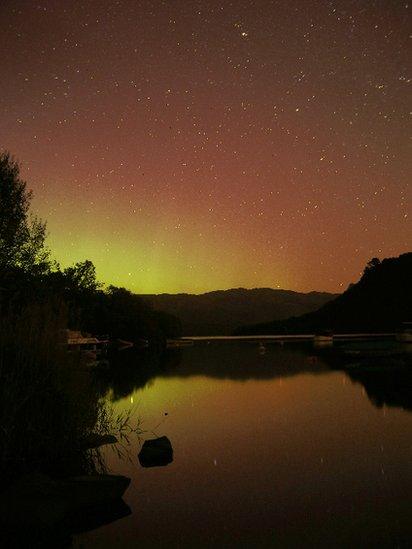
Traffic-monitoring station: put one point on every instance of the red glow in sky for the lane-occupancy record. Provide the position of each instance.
(190, 146)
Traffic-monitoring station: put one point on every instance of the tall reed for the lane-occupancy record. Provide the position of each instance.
(48, 404)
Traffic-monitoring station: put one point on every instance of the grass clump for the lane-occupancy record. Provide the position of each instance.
(48, 401)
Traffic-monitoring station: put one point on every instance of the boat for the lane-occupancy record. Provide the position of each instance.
(76, 341)
(405, 336)
(178, 343)
(262, 348)
(140, 343)
(90, 348)
(323, 338)
(122, 344)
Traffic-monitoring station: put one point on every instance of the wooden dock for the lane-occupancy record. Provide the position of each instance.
(291, 338)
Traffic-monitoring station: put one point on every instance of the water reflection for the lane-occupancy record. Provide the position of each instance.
(274, 449)
(386, 387)
(132, 371)
(386, 383)
(300, 451)
(385, 371)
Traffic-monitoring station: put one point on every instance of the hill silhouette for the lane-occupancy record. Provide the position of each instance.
(379, 302)
(221, 312)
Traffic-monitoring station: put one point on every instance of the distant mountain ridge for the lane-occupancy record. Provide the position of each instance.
(222, 311)
(380, 301)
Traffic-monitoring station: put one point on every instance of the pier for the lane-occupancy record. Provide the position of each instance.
(291, 338)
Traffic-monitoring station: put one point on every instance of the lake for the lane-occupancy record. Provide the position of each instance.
(271, 448)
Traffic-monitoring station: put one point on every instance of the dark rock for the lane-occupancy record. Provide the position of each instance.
(90, 518)
(34, 502)
(156, 452)
(38, 502)
(93, 489)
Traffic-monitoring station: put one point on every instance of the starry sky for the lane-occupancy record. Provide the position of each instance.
(199, 145)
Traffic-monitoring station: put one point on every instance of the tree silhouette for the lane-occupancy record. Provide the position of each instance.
(379, 302)
(22, 236)
(372, 264)
(82, 276)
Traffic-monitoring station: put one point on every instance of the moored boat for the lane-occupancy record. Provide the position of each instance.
(177, 343)
(90, 348)
(405, 336)
(322, 338)
(262, 348)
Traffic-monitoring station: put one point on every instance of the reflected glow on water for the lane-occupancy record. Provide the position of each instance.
(269, 450)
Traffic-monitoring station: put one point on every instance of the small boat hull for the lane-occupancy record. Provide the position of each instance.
(321, 340)
(178, 343)
(404, 337)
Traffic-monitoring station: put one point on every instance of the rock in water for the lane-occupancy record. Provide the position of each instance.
(94, 517)
(156, 452)
(93, 489)
(37, 501)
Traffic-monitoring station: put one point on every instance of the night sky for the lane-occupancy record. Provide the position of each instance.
(197, 145)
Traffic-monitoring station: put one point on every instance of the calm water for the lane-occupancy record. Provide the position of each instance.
(272, 450)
